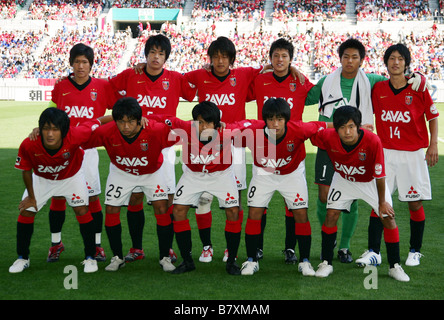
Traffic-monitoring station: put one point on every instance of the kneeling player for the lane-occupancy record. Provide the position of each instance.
(52, 166)
(279, 165)
(136, 158)
(358, 159)
(207, 168)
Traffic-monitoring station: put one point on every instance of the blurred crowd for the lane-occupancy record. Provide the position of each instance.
(317, 49)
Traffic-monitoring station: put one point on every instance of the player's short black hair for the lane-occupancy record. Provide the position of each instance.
(208, 111)
(282, 43)
(403, 51)
(57, 117)
(159, 41)
(81, 49)
(278, 107)
(223, 45)
(129, 107)
(343, 115)
(354, 44)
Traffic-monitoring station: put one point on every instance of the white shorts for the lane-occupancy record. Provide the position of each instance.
(343, 192)
(120, 185)
(72, 189)
(239, 167)
(90, 167)
(221, 184)
(292, 186)
(408, 173)
(168, 169)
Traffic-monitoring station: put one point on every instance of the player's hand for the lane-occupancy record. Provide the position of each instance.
(386, 211)
(207, 67)
(297, 74)
(368, 127)
(222, 127)
(26, 203)
(419, 82)
(61, 79)
(144, 122)
(138, 68)
(432, 155)
(34, 134)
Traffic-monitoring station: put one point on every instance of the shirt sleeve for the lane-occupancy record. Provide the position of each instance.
(22, 161)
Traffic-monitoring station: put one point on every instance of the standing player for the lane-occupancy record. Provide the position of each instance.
(208, 168)
(280, 83)
(278, 151)
(52, 166)
(83, 98)
(136, 159)
(157, 91)
(348, 85)
(227, 88)
(359, 174)
(400, 115)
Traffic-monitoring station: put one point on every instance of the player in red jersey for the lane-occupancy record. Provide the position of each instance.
(83, 98)
(400, 117)
(207, 168)
(277, 146)
(358, 160)
(52, 166)
(280, 83)
(157, 91)
(136, 161)
(227, 88)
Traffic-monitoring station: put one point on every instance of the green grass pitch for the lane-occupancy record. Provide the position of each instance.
(146, 280)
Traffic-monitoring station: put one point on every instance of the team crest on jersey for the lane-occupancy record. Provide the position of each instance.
(290, 146)
(362, 156)
(165, 84)
(66, 155)
(292, 86)
(233, 82)
(408, 100)
(144, 146)
(93, 95)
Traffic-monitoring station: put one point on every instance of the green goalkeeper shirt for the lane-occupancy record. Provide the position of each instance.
(346, 87)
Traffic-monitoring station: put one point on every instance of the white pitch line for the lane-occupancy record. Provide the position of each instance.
(440, 140)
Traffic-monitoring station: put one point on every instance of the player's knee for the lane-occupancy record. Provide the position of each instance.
(415, 205)
(232, 213)
(204, 205)
(136, 198)
(160, 206)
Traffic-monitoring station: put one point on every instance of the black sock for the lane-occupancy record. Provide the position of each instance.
(375, 230)
(183, 239)
(205, 236)
(136, 222)
(88, 236)
(24, 234)
(392, 253)
(328, 244)
(416, 234)
(98, 221)
(114, 234)
(304, 245)
(233, 241)
(165, 236)
(252, 242)
(290, 237)
(260, 243)
(56, 221)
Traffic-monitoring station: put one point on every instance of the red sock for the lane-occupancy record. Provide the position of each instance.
(204, 220)
(302, 229)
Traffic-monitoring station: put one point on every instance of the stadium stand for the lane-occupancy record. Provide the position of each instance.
(35, 35)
